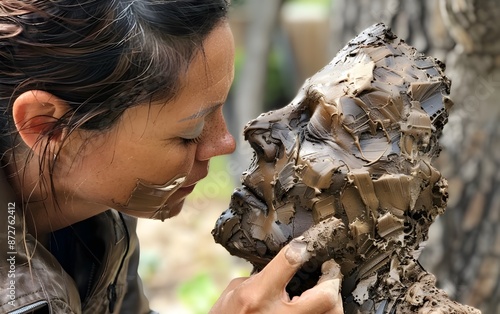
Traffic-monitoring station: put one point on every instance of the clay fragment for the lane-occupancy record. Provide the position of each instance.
(347, 168)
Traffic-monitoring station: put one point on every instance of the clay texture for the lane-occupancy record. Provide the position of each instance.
(347, 167)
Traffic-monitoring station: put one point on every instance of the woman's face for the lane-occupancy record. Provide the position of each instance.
(152, 158)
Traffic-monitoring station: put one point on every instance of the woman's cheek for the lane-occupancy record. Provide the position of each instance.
(151, 200)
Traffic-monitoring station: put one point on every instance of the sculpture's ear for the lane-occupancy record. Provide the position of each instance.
(269, 133)
(35, 115)
(324, 115)
(259, 135)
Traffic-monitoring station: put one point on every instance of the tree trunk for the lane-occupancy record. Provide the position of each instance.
(418, 22)
(464, 254)
(250, 89)
(469, 268)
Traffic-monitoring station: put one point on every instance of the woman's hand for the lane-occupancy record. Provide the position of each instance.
(265, 292)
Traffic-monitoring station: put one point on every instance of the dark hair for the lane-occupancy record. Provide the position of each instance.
(101, 57)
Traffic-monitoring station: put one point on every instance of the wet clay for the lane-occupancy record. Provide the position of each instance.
(346, 166)
(149, 197)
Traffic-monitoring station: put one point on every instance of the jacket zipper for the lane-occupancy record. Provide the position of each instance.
(91, 279)
(112, 286)
(30, 308)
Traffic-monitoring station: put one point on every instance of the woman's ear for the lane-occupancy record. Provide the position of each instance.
(35, 114)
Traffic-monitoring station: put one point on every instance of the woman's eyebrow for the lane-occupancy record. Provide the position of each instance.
(203, 112)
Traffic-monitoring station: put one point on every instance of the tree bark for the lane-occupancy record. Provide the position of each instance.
(418, 22)
(464, 254)
(469, 268)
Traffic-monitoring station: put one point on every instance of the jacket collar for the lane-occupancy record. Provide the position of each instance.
(29, 282)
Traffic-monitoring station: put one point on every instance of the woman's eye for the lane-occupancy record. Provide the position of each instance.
(188, 141)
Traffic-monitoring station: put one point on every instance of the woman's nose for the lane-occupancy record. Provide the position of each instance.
(216, 141)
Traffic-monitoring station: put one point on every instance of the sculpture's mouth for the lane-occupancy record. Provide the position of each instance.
(245, 198)
(236, 234)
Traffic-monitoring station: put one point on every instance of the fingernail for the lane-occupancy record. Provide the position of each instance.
(331, 269)
(297, 252)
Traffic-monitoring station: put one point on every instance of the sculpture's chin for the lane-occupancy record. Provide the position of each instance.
(235, 230)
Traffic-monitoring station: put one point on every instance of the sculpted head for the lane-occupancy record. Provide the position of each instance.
(353, 149)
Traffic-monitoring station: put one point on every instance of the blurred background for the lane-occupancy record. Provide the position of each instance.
(279, 43)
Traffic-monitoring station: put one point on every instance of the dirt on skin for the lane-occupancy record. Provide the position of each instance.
(347, 166)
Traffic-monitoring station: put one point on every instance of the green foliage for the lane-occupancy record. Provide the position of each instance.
(274, 80)
(198, 294)
(275, 90)
(322, 2)
(239, 58)
(326, 3)
(237, 2)
(149, 264)
(218, 184)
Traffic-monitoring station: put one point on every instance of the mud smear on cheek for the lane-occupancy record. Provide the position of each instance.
(153, 198)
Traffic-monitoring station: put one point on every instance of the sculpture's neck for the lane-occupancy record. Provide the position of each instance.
(382, 282)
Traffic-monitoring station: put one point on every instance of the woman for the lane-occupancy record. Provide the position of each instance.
(114, 104)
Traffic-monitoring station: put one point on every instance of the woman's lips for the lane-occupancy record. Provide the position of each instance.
(188, 189)
(190, 186)
(194, 182)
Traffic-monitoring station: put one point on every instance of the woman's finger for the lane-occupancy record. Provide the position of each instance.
(235, 283)
(289, 260)
(325, 297)
(276, 275)
(330, 270)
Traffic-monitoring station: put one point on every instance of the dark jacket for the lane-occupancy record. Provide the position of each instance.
(89, 267)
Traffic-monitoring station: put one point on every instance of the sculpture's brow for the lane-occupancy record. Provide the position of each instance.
(203, 112)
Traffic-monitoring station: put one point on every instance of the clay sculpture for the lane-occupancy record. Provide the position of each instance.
(347, 167)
